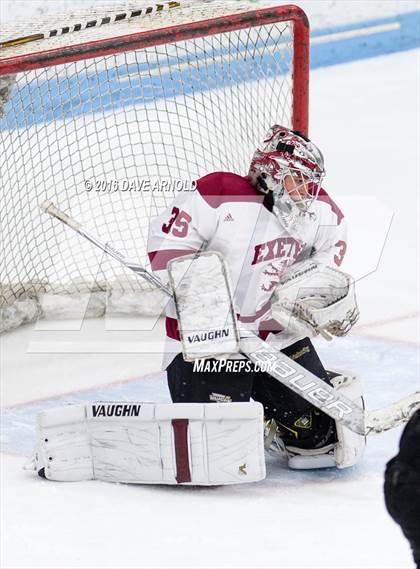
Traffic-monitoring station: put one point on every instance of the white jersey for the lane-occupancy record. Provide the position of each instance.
(226, 214)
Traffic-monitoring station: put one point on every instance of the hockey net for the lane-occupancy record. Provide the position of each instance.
(109, 122)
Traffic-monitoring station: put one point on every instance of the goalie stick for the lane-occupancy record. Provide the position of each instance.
(284, 369)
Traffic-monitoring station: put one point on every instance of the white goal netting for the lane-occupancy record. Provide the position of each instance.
(98, 135)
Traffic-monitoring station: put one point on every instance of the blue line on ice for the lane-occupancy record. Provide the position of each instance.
(42, 101)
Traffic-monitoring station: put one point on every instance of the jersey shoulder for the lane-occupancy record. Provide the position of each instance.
(328, 207)
(225, 187)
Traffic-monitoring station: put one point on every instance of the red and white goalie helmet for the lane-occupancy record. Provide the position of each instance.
(291, 167)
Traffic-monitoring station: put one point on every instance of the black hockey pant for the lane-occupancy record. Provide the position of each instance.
(301, 423)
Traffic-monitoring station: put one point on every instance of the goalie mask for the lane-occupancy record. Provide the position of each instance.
(291, 167)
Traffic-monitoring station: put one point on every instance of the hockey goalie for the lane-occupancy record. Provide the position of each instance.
(241, 258)
(283, 240)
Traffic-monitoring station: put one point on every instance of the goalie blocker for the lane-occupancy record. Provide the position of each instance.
(193, 444)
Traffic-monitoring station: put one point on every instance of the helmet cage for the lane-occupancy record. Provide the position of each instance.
(297, 183)
(270, 169)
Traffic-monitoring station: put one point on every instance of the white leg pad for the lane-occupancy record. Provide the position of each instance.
(183, 443)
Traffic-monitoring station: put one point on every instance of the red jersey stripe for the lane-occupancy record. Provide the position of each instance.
(160, 259)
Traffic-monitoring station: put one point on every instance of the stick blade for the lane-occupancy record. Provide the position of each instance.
(380, 420)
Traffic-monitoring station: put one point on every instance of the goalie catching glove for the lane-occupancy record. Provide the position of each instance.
(312, 298)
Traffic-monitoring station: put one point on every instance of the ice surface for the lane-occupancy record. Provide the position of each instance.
(252, 527)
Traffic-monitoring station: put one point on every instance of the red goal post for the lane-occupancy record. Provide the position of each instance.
(175, 93)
